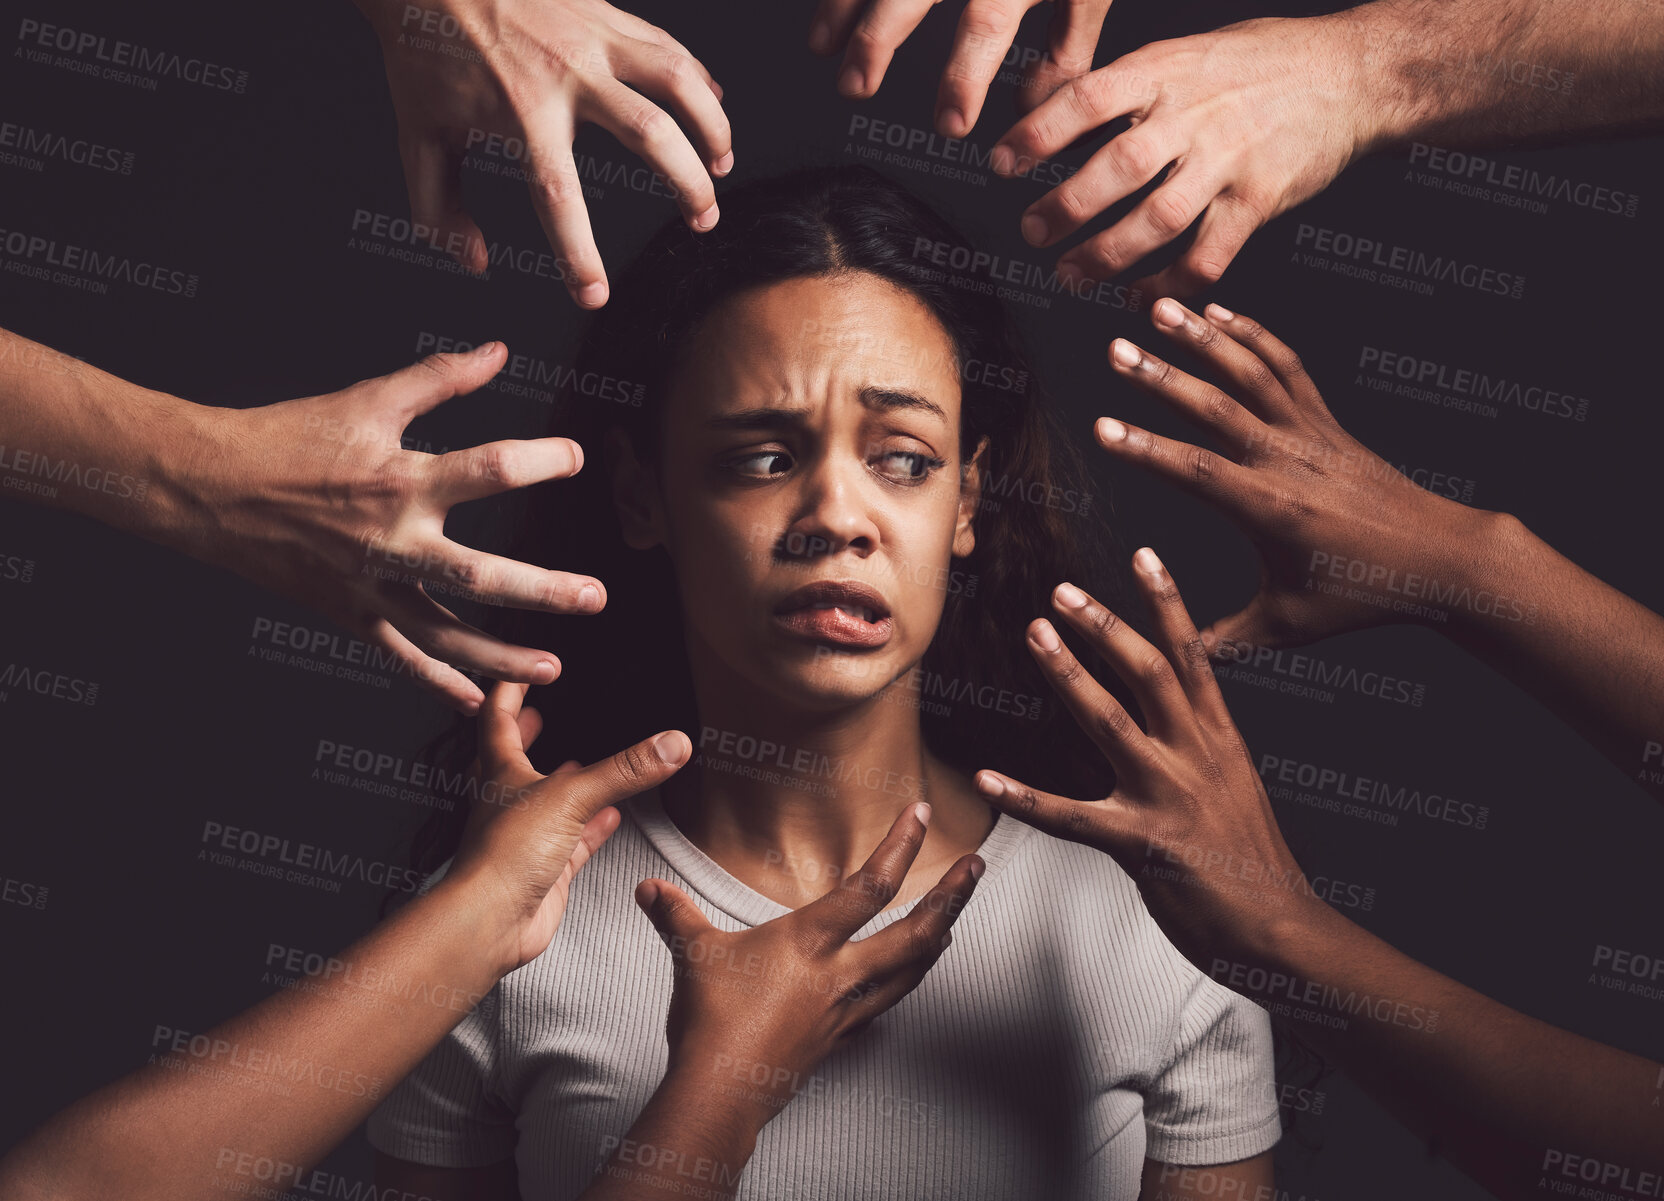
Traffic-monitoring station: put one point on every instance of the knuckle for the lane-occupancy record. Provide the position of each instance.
(1154, 667)
(648, 123)
(1169, 213)
(1219, 409)
(1132, 157)
(1105, 622)
(1200, 464)
(1259, 377)
(633, 762)
(1112, 723)
(1072, 204)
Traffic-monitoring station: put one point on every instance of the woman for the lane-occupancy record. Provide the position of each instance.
(810, 467)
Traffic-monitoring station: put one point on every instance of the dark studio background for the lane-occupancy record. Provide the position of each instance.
(255, 193)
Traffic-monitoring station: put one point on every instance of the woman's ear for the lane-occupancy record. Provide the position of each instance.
(635, 493)
(970, 497)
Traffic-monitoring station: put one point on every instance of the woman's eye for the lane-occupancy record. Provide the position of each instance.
(761, 464)
(908, 465)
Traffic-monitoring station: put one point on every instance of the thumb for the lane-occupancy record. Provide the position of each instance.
(1254, 625)
(634, 769)
(673, 914)
(428, 383)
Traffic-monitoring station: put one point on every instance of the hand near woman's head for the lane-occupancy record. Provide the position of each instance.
(1345, 540)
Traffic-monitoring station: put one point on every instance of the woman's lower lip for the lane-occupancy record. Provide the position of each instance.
(834, 625)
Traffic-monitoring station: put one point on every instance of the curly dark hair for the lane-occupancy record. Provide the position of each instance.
(1037, 525)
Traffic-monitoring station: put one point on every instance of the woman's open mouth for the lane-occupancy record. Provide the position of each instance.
(844, 612)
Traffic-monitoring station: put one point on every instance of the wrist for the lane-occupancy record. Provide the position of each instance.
(479, 903)
(747, 1091)
(1380, 47)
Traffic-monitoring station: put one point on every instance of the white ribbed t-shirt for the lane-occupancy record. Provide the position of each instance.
(1056, 1044)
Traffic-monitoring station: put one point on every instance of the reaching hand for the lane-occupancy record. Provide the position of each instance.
(1252, 119)
(316, 499)
(785, 993)
(872, 30)
(1345, 540)
(1188, 820)
(532, 71)
(528, 834)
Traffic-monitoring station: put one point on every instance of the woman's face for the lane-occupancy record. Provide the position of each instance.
(810, 490)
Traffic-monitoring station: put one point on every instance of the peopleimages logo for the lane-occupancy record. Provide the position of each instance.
(1399, 266)
(128, 62)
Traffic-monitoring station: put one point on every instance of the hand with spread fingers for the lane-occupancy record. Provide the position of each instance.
(1190, 822)
(1337, 527)
(775, 999)
(870, 31)
(1238, 124)
(316, 499)
(525, 74)
(788, 992)
(1186, 788)
(1346, 541)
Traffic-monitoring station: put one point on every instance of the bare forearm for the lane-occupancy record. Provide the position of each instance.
(77, 438)
(281, 1083)
(1484, 72)
(693, 1136)
(1591, 654)
(1505, 1097)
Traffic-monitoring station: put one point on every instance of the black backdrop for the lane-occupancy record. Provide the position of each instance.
(255, 192)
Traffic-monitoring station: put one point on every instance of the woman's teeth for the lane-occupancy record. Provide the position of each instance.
(860, 611)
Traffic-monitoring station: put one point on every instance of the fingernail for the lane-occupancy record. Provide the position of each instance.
(851, 82)
(706, 219)
(989, 784)
(668, 747)
(1034, 230)
(1069, 596)
(1124, 353)
(1110, 430)
(545, 672)
(649, 892)
(947, 940)
(1167, 312)
(922, 812)
(589, 598)
(952, 121)
(1002, 160)
(592, 296)
(486, 349)
(724, 164)
(1145, 560)
(1046, 638)
(820, 38)
(1219, 312)
(977, 868)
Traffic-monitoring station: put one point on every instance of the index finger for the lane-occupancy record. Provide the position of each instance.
(986, 30)
(863, 896)
(493, 467)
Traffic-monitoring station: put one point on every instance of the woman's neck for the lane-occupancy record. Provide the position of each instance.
(791, 802)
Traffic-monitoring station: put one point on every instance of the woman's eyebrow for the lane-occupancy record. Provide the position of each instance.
(782, 416)
(885, 399)
(762, 417)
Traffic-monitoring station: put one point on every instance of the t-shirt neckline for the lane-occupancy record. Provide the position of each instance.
(745, 904)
